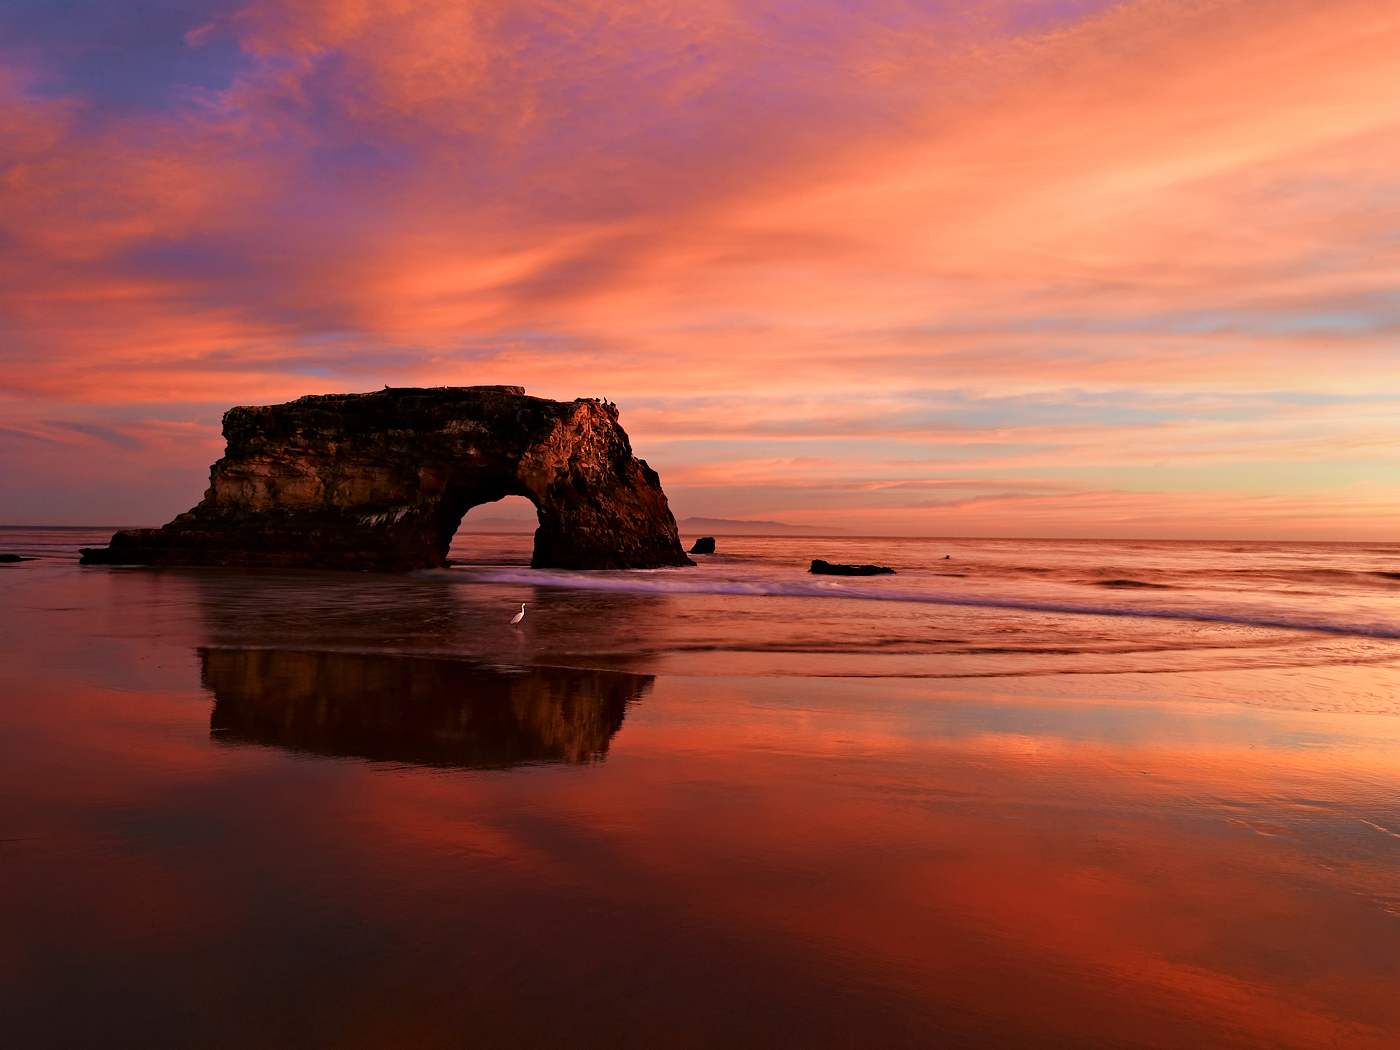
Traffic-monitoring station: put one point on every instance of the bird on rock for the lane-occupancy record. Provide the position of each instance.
(520, 615)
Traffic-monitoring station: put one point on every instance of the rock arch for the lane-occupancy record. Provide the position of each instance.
(381, 481)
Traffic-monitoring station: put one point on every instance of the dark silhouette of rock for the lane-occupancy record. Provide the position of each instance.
(382, 480)
(13, 558)
(1132, 583)
(424, 710)
(704, 545)
(826, 568)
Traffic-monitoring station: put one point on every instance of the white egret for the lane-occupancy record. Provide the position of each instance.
(518, 616)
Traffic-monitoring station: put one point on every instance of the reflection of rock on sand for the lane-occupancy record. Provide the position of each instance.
(415, 709)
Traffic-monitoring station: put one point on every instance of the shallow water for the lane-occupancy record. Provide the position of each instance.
(726, 806)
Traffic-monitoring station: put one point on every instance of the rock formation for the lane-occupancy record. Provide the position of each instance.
(827, 568)
(704, 545)
(424, 710)
(382, 480)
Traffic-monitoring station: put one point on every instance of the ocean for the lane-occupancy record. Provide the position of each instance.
(1021, 793)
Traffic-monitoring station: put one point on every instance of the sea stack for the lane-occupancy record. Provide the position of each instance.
(381, 480)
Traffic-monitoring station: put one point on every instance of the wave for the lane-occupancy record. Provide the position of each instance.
(648, 582)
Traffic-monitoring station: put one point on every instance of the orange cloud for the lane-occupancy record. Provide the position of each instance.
(750, 225)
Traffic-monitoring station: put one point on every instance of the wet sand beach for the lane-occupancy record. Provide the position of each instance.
(350, 810)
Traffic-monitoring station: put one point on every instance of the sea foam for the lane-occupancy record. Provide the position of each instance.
(666, 582)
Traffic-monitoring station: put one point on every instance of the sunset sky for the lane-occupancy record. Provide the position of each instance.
(1004, 267)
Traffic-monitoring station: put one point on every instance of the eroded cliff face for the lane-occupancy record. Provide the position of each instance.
(381, 481)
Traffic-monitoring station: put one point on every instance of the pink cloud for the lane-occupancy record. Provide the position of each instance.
(749, 225)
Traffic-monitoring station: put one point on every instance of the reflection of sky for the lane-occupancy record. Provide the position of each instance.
(1131, 243)
(1139, 866)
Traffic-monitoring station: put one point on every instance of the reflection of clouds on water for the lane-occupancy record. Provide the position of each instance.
(419, 614)
(766, 616)
(414, 709)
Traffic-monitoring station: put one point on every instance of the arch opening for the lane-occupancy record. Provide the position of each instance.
(495, 532)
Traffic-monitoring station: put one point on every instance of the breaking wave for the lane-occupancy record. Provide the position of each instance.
(645, 582)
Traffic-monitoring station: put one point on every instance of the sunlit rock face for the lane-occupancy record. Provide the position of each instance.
(382, 480)
(422, 710)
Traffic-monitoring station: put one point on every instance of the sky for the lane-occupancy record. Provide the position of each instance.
(957, 268)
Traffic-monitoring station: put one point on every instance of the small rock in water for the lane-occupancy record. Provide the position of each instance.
(826, 568)
(1132, 583)
(704, 545)
(13, 557)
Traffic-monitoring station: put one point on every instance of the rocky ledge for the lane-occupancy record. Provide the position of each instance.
(381, 481)
(827, 568)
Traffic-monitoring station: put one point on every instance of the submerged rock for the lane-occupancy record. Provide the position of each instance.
(382, 480)
(1133, 583)
(13, 558)
(704, 545)
(826, 568)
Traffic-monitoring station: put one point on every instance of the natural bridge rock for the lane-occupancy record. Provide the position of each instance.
(381, 481)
